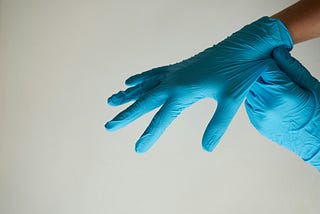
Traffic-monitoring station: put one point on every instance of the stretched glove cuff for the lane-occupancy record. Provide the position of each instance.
(282, 33)
(272, 31)
(257, 39)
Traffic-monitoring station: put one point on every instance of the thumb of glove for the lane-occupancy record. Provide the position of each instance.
(294, 69)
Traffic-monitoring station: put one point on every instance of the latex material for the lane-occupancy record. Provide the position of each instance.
(284, 107)
(223, 72)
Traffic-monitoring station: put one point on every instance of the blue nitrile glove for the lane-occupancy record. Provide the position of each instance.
(284, 107)
(223, 72)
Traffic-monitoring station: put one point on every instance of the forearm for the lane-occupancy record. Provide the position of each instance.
(302, 20)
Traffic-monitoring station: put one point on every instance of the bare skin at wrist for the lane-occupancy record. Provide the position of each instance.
(302, 20)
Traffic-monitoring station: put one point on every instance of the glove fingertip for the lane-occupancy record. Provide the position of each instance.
(108, 126)
(140, 151)
(140, 148)
(115, 99)
(210, 145)
(207, 148)
(112, 126)
(131, 81)
(112, 101)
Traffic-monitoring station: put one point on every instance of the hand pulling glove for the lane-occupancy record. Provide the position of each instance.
(224, 72)
(284, 107)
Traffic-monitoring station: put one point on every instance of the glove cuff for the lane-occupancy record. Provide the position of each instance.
(266, 33)
(273, 31)
(283, 32)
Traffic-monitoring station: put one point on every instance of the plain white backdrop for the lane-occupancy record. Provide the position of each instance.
(61, 59)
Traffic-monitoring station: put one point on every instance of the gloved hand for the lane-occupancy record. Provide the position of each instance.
(223, 72)
(284, 107)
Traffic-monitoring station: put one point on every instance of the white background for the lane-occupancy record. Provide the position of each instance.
(61, 59)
